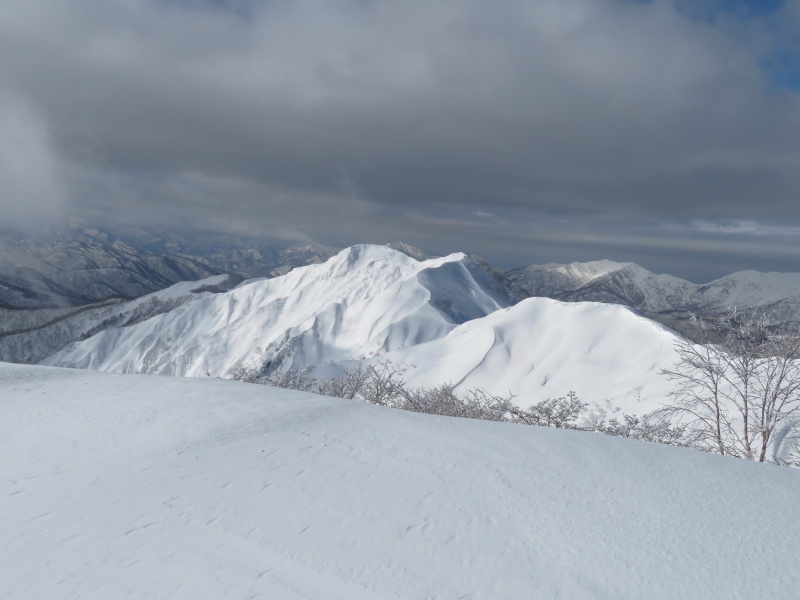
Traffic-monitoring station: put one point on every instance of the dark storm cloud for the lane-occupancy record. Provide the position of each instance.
(583, 123)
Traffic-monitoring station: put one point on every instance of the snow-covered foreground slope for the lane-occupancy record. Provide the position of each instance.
(364, 300)
(542, 349)
(119, 486)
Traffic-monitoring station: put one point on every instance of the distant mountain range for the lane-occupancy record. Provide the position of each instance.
(664, 298)
(74, 273)
(443, 319)
(535, 332)
(86, 265)
(82, 266)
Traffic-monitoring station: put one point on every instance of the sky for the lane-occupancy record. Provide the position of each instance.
(663, 132)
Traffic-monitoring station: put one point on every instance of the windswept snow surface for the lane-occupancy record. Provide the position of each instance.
(364, 300)
(542, 349)
(119, 486)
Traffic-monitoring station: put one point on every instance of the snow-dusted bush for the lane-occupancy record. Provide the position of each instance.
(348, 386)
(247, 375)
(383, 384)
(443, 400)
(650, 427)
(294, 380)
(562, 412)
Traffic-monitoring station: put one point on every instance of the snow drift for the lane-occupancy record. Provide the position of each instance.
(125, 486)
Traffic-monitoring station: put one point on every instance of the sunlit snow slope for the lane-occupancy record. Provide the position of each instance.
(542, 349)
(119, 486)
(364, 300)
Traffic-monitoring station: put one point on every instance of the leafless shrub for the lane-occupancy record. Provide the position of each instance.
(292, 379)
(650, 427)
(562, 412)
(443, 400)
(383, 384)
(348, 386)
(246, 374)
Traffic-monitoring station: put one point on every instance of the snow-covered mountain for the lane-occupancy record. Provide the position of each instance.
(450, 319)
(542, 348)
(29, 336)
(118, 486)
(663, 297)
(442, 320)
(363, 301)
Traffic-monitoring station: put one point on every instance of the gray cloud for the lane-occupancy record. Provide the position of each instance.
(31, 193)
(586, 120)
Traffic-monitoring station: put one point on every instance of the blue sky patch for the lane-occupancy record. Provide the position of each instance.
(710, 10)
(783, 68)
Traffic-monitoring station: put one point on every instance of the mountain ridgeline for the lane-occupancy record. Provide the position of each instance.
(361, 302)
(84, 266)
(665, 298)
(535, 332)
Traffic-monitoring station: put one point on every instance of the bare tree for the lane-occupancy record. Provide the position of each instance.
(246, 374)
(699, 374)
(736, 394)
(777, 388)
(733, 397)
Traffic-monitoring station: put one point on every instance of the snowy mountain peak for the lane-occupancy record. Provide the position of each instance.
(363, 300)
(592, 270)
